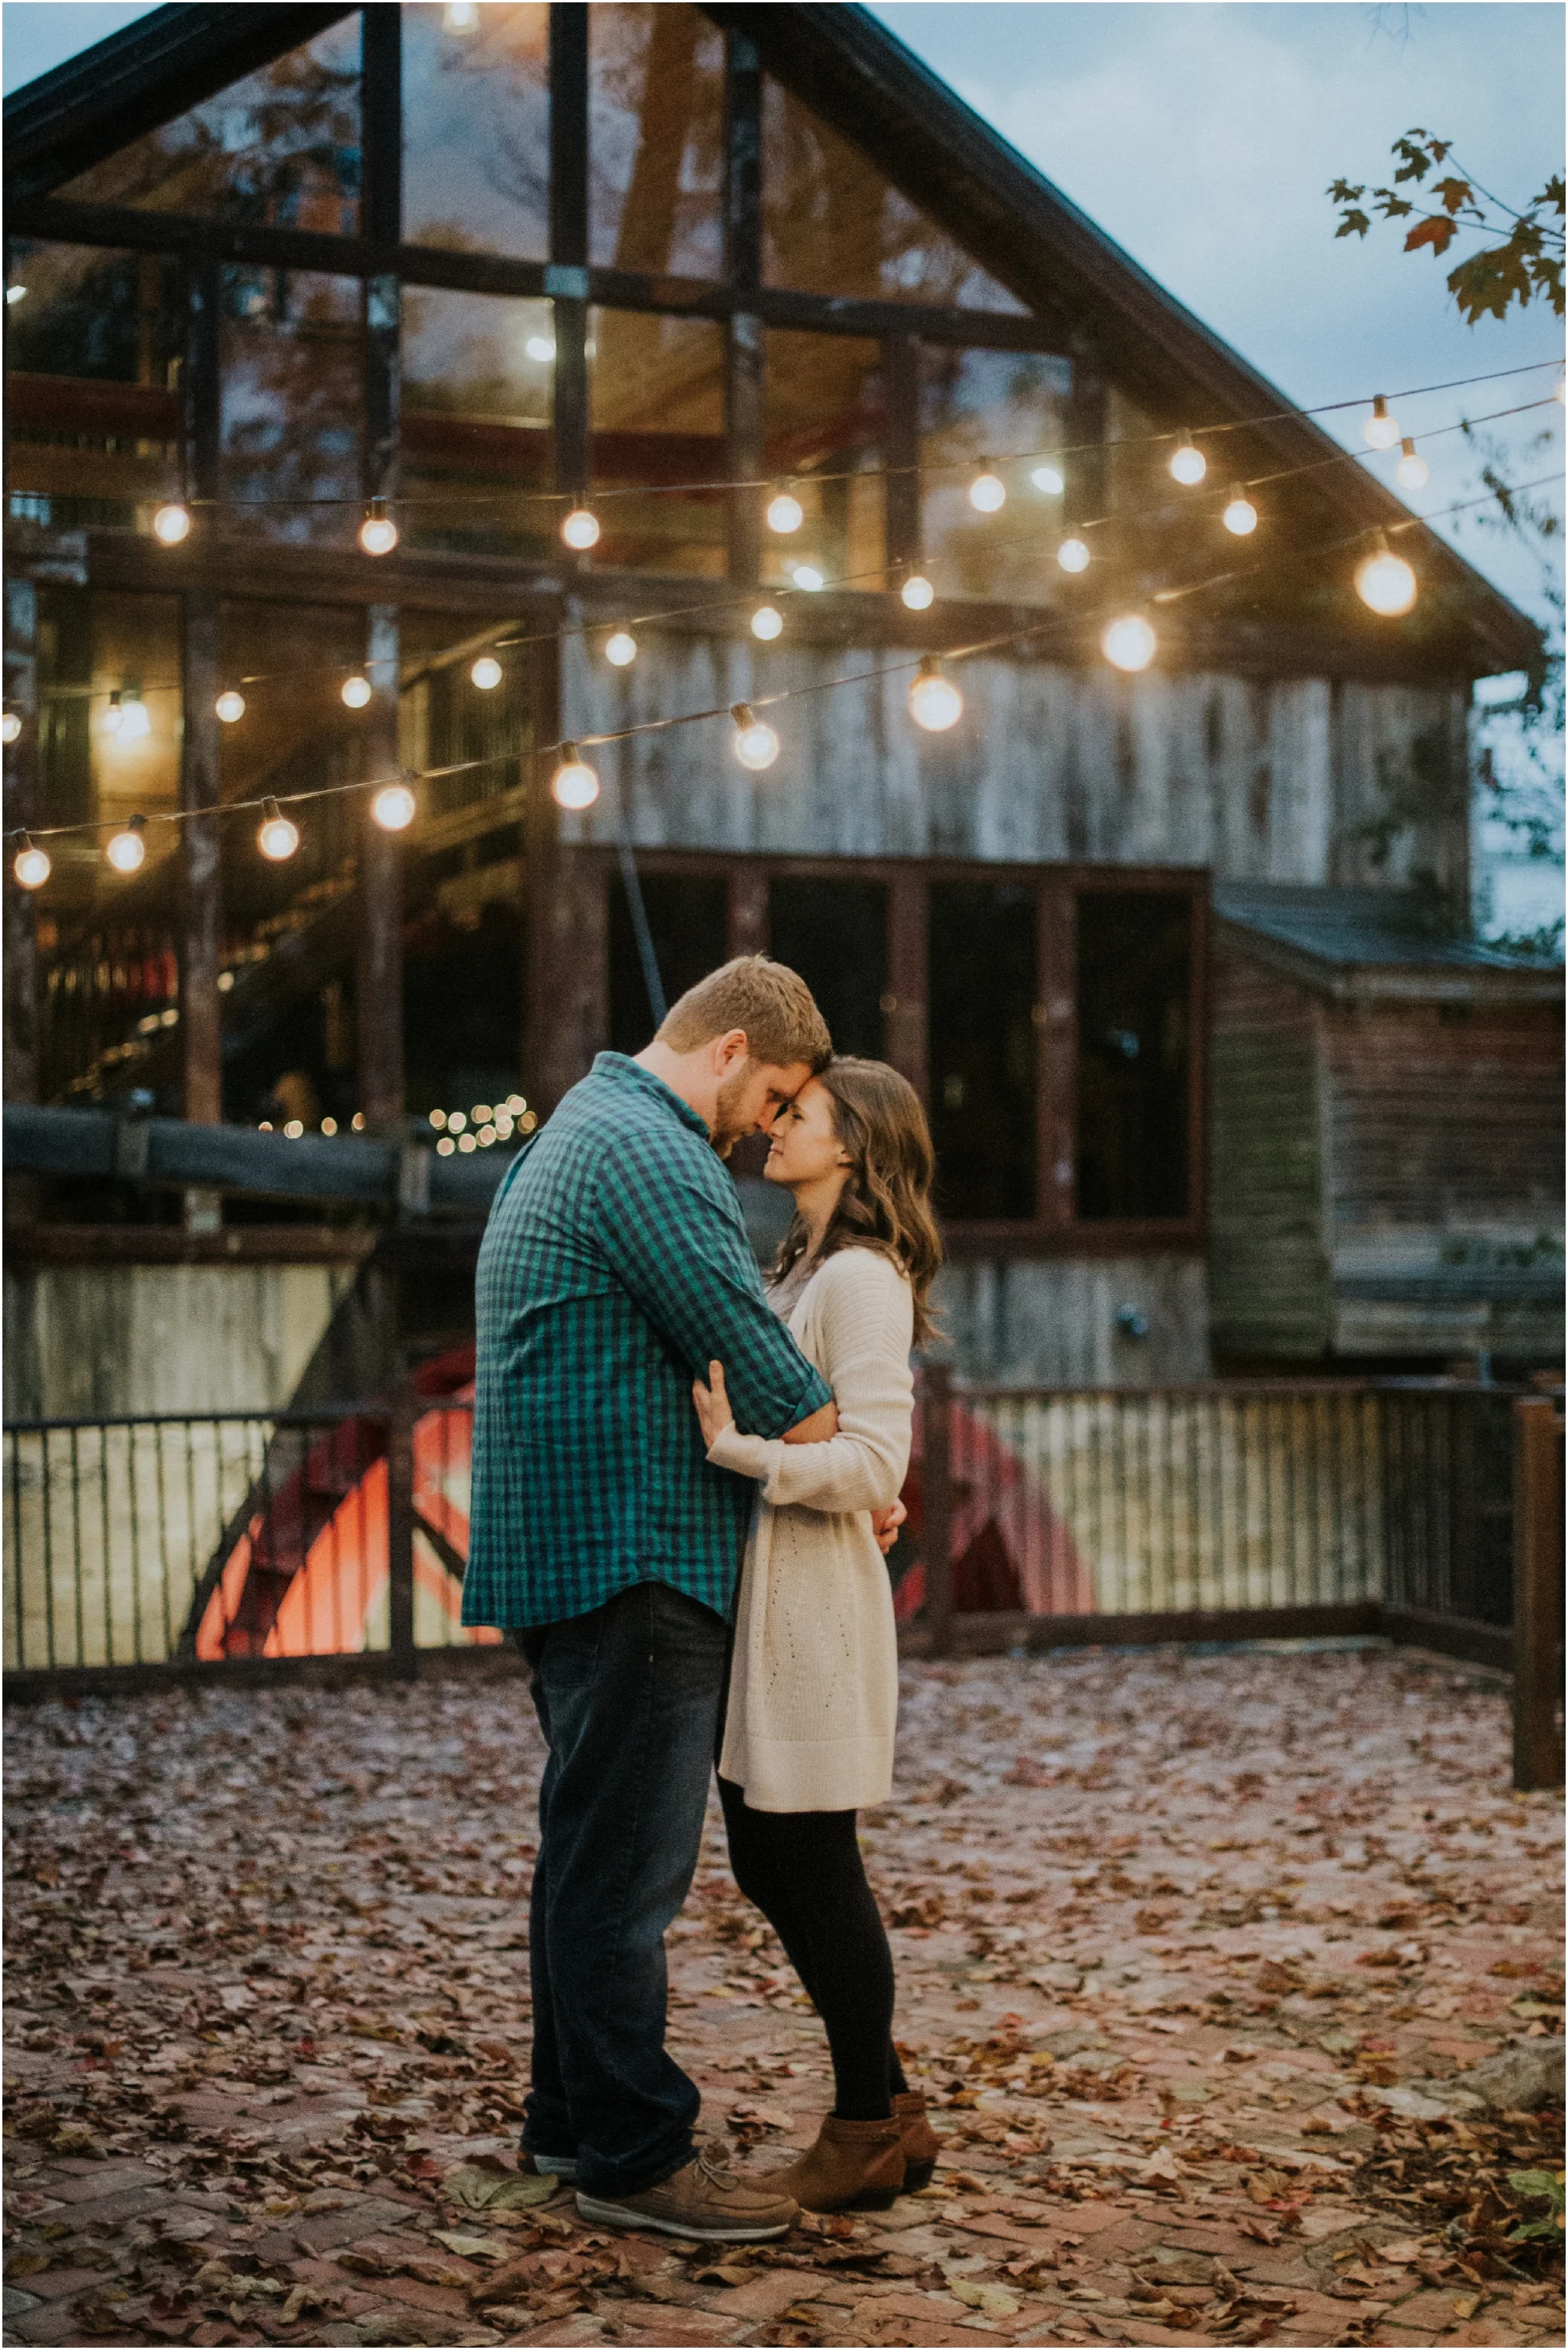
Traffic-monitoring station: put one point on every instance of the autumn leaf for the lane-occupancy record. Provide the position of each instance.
(1439, 234)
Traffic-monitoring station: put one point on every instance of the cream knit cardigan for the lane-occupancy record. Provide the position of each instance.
(813, 1689)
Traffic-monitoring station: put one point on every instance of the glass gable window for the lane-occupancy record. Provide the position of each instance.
(92, 397)
(476, 128)
(688, 919)
(657, 413)
(833, 224)
(1134, 984)
(976, 407)
(824, 417)
(479, 374)
(656, 130)
(280, 147)
(835, 933)
(292, 350)
(981, 992)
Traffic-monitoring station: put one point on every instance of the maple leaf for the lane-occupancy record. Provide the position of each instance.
(1439, 234)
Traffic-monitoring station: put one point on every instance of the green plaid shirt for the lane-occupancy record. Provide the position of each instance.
(615, 1268)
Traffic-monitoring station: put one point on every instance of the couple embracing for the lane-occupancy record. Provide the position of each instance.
(683, 1485)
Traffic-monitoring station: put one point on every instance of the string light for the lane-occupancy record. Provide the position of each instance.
(767, 623)
(460, 17)
(1380, 431)
(127, 720)
(230, 707)
(918, 593)
(573, 783)
(580, 529)
(32, 866)
(378, 533)
(276, 837)
(756, 745)
(125, 850)
(1048, 481)
(356, 692)
(785, 513)
(114, 716)
(987, 493)
(807, 577)
(1073, 554)
(394, 807)
(1240, 516)
(1188, 464)
(11, 726)
(16, 294)
(1384, 581)
(540, 346)
(1129, 642)
(171, 522)
(935, 701)
(486, 674)
(621, 650)
(1412, 469)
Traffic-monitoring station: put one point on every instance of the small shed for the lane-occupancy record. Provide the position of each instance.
(1386, 1135)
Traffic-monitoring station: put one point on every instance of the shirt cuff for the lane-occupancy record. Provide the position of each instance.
(748, 1456)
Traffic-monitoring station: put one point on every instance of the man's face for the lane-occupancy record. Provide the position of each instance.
(750, 1097)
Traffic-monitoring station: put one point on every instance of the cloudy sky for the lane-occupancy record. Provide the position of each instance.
(1201, 134)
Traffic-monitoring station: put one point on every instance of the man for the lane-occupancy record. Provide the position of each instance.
(615, 1268)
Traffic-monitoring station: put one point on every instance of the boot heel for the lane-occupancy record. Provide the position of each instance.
(875, 2198)
(918, 2175)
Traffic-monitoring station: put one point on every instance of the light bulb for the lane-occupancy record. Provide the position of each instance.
(486, 672)
(277, 837)
(460, 17)
(394, 807)
(356, 692)
(756, 746)
(1129, 643)
(807, 575)
(918, 592)
(580, 529)
(1187, 463)
(1240, 516)
(11, 726)
(621, 650)
(1047, 480)
(1380, 429)
(1412, 469)
(1560, 394)
(574, 782)
(1384, 581)
(135, 722)
(32, 866)
(230, 707)
(987, 494)
(378, 532)
(785, 513)
(540, 346)
(114, 716)
(767, 623)
(16, 294)
(1073, 554)
(935, 701)
(171, 523)
(125, 850)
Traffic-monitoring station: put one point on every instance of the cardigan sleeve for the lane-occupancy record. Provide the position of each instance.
(866, 1325)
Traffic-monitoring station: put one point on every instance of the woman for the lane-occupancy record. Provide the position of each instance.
(814, 1688)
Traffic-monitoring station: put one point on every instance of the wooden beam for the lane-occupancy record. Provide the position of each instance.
(744, 359)
(201, 681)
(21, 807)
(1537, 1593)
(901, 452)
(381, 136)
(380, 975)
(1056, 1046)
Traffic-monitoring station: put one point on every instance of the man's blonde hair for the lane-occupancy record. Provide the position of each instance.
(769, 1001)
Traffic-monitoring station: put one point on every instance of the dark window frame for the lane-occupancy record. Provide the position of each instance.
(1055, 1228)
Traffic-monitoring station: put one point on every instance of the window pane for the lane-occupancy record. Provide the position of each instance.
(463, 1003)
(292, 357)
(824, 416)
(1135, 976)
(657, 412)
(656, 128)
(447, 721)
(280, 147)
(91, 340)
(982, 1073)
(688, 915)
(833, 224)
(981, 405)
(477, 406)
(835, 933)
(476, 129)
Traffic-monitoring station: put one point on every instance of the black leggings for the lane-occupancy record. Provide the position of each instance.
(804, 1873)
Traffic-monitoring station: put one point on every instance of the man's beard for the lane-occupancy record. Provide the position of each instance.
(727, 1129)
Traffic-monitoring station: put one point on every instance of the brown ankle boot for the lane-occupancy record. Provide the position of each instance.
(853, 2166)
(921, 2143)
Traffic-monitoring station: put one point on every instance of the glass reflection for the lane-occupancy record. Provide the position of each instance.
(657, 410)
(824, 417)
(479, 375)
(291, 347)
(833, 224)
(979, 406)
(656, 117)
(476, 129)
(92, 405)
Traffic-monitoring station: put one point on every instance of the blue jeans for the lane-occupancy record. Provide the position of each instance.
(628, 1697)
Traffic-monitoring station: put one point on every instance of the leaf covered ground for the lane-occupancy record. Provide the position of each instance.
(1192, 1952)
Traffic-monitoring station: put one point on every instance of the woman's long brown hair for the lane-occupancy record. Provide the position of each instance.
(885, 1202)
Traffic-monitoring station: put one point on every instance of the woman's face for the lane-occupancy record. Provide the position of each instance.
(804, 1145)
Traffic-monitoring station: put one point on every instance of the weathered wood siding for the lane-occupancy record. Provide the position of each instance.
(1265, 780)
(1053, 1320)
(1267, 1266)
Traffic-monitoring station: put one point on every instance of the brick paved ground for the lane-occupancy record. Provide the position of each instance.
(1175, 1936)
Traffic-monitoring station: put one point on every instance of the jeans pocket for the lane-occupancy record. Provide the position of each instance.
(571, 1653)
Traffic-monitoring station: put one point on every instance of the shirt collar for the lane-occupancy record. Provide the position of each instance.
(621, 1070)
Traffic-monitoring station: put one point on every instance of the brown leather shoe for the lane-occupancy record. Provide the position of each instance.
(853, 2166)
(704, 2201)
(921, 2143)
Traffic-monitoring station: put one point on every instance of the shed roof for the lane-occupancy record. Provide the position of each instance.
(1378, 942)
